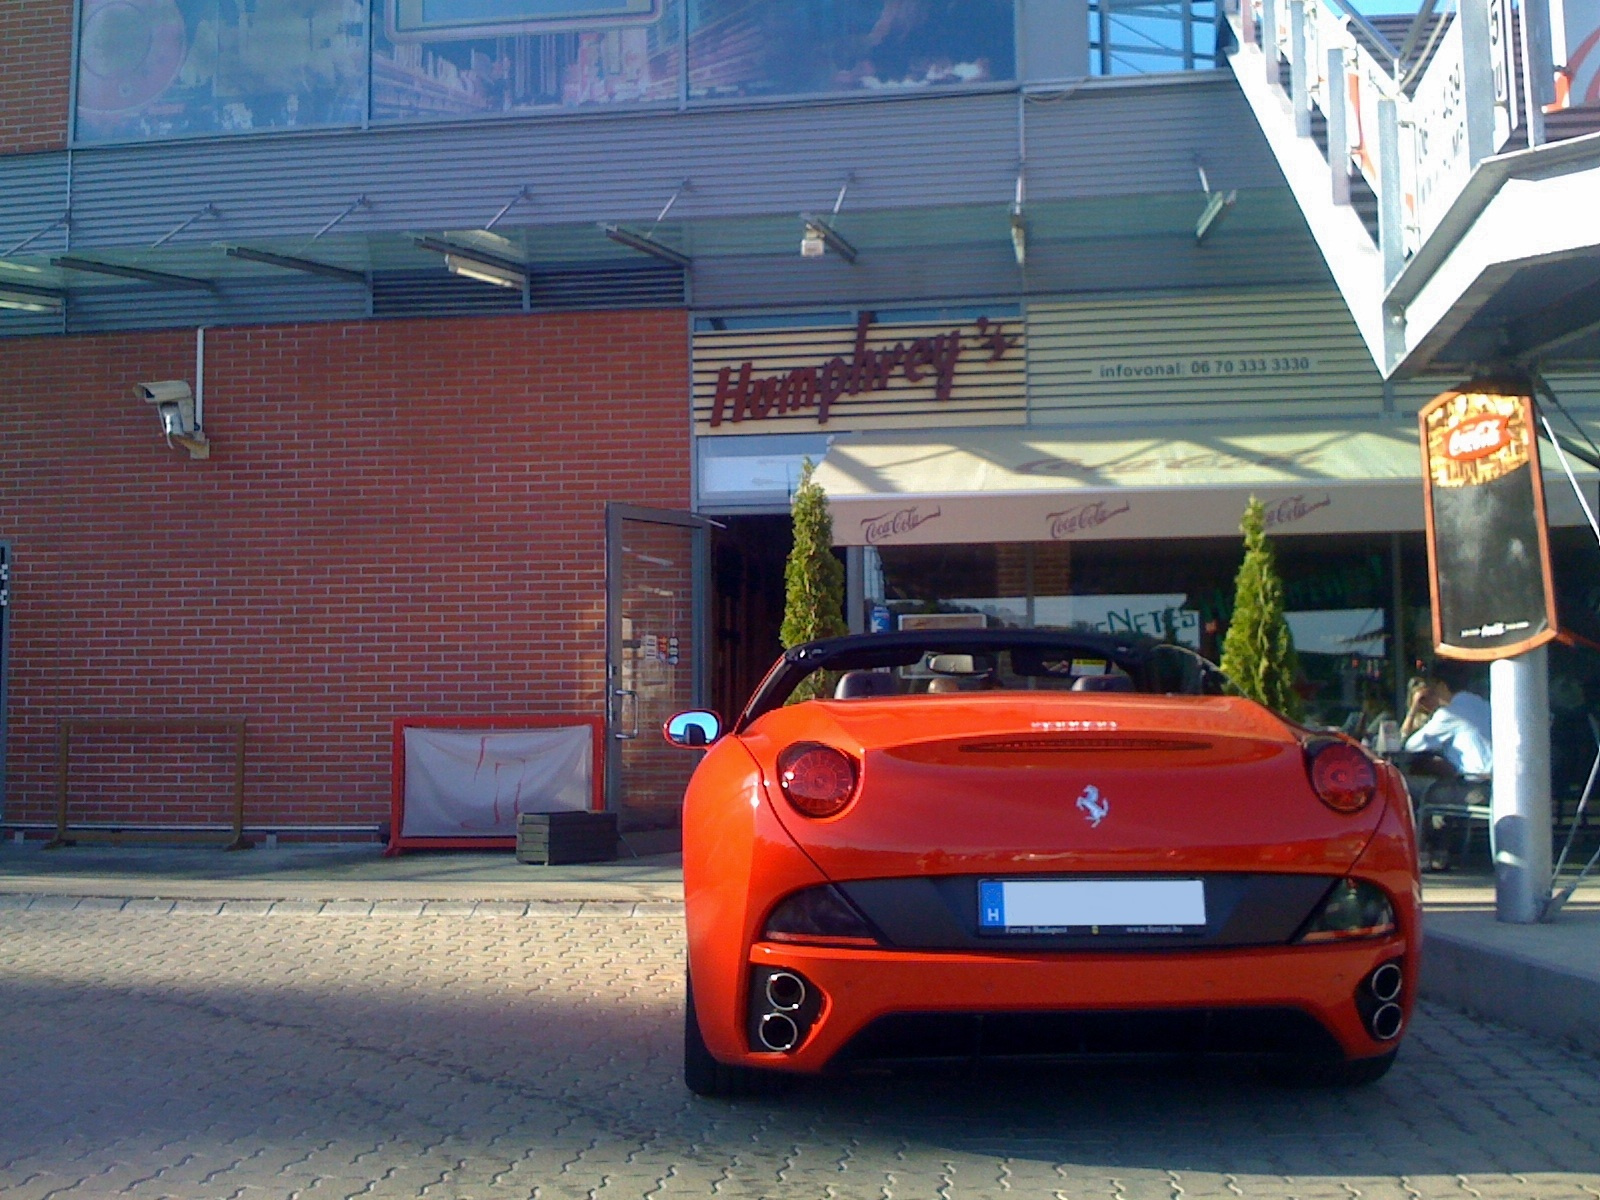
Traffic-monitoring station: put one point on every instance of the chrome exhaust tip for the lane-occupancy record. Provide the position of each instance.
(786, 991)
(1386, 1021)
(1386, 982)
(778, 1032)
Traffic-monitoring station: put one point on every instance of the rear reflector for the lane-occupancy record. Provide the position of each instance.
(819, 914)
(1353, 909)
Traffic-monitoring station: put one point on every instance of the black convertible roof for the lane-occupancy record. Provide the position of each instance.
(1134, 653)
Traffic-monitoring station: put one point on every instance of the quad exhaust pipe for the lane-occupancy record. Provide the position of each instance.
(778, 1032)
(786, 991)
(783, 1006)
(1380, 1003)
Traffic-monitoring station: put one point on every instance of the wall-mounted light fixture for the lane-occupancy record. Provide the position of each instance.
(174, 401)
(477, 264)
(22, 298)
(819, 235)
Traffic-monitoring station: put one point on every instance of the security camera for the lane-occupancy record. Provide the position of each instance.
(174, 401)
(164, 391)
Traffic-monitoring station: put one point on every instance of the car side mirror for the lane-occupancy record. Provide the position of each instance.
(696, 729)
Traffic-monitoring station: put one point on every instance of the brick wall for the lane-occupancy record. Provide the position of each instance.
(398, 518)
(36, 67)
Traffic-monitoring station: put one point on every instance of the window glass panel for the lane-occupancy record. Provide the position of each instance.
(165, 68)
(1337, 591)
(468, 58)
(783, 48)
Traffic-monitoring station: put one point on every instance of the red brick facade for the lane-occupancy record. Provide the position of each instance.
(36, 65)
(398, 518)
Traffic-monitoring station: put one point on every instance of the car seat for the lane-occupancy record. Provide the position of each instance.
(853, 685)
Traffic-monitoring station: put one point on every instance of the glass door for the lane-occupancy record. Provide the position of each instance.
(656, 565)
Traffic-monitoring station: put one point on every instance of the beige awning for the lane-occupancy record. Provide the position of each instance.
(1023, 485)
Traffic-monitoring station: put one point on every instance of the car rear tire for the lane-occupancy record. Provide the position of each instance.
(1343, 1073)
(704, 1075)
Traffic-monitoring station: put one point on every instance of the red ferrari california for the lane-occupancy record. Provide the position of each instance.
(1002, 843)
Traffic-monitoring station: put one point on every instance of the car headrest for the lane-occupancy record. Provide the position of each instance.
(1102, 683)
(855, 684)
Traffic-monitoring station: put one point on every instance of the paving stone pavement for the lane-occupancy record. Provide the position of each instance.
(213, 1050)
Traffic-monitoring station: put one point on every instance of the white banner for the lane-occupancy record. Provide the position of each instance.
(474, 782)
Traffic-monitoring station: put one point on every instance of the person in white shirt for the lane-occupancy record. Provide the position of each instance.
(1453, 725)
(1448, 734)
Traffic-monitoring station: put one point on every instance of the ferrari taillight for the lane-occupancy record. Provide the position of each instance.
(1342, 775)
(816, 779)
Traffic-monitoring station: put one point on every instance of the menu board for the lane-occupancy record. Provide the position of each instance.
(1488, 542)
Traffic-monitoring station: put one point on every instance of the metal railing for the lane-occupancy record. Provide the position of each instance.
(1414, 134)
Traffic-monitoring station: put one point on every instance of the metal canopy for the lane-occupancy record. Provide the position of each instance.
(351, 256)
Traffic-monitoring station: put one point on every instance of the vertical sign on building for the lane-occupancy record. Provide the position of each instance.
(1488, 542)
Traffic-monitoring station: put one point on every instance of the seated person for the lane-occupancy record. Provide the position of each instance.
(942, 685)
(1448, 733)
(1452, 728)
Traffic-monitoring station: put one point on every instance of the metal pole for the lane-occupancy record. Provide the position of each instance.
(1397, 640)
(1269, 39)
(1299, 69)
(1538, 68)
(1391, 208)
(855, 588)
(1477, 78)
(1519, 700)
(1336, 97)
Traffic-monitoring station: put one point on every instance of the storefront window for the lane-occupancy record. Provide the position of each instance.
(1338, 594)
(468, 58)
(164, 68)
(746, 48)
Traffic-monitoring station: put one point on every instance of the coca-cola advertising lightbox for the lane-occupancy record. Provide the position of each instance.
(1488, 542)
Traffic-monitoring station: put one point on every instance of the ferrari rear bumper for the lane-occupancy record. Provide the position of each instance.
(1310, 1000)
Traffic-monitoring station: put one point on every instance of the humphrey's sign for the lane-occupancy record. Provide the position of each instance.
(897, 371)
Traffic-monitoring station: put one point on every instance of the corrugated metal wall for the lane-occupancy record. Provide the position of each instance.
(34, 191)
(1101, 139)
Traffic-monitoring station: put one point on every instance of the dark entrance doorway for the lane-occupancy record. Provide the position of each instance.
(747, 559)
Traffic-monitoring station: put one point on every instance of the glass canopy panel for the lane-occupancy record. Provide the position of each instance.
(751, 48)
(166, 68)
(470, 58)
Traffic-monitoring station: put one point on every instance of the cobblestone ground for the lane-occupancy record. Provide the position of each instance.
(153, 1049)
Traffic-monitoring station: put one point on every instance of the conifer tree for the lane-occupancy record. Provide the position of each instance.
(813, 580)
(1258, 652)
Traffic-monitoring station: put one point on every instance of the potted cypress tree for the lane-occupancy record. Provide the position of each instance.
(1258, 651)
(813, 580)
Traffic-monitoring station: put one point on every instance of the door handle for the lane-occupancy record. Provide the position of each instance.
(621, 695)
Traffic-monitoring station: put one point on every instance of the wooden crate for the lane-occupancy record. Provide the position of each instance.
(554, 838)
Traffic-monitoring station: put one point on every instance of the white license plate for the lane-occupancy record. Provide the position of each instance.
(1093, 906)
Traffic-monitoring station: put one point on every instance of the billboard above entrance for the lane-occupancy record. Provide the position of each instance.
(862, 376)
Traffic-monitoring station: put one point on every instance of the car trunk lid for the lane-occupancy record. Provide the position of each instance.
(1041, 783)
